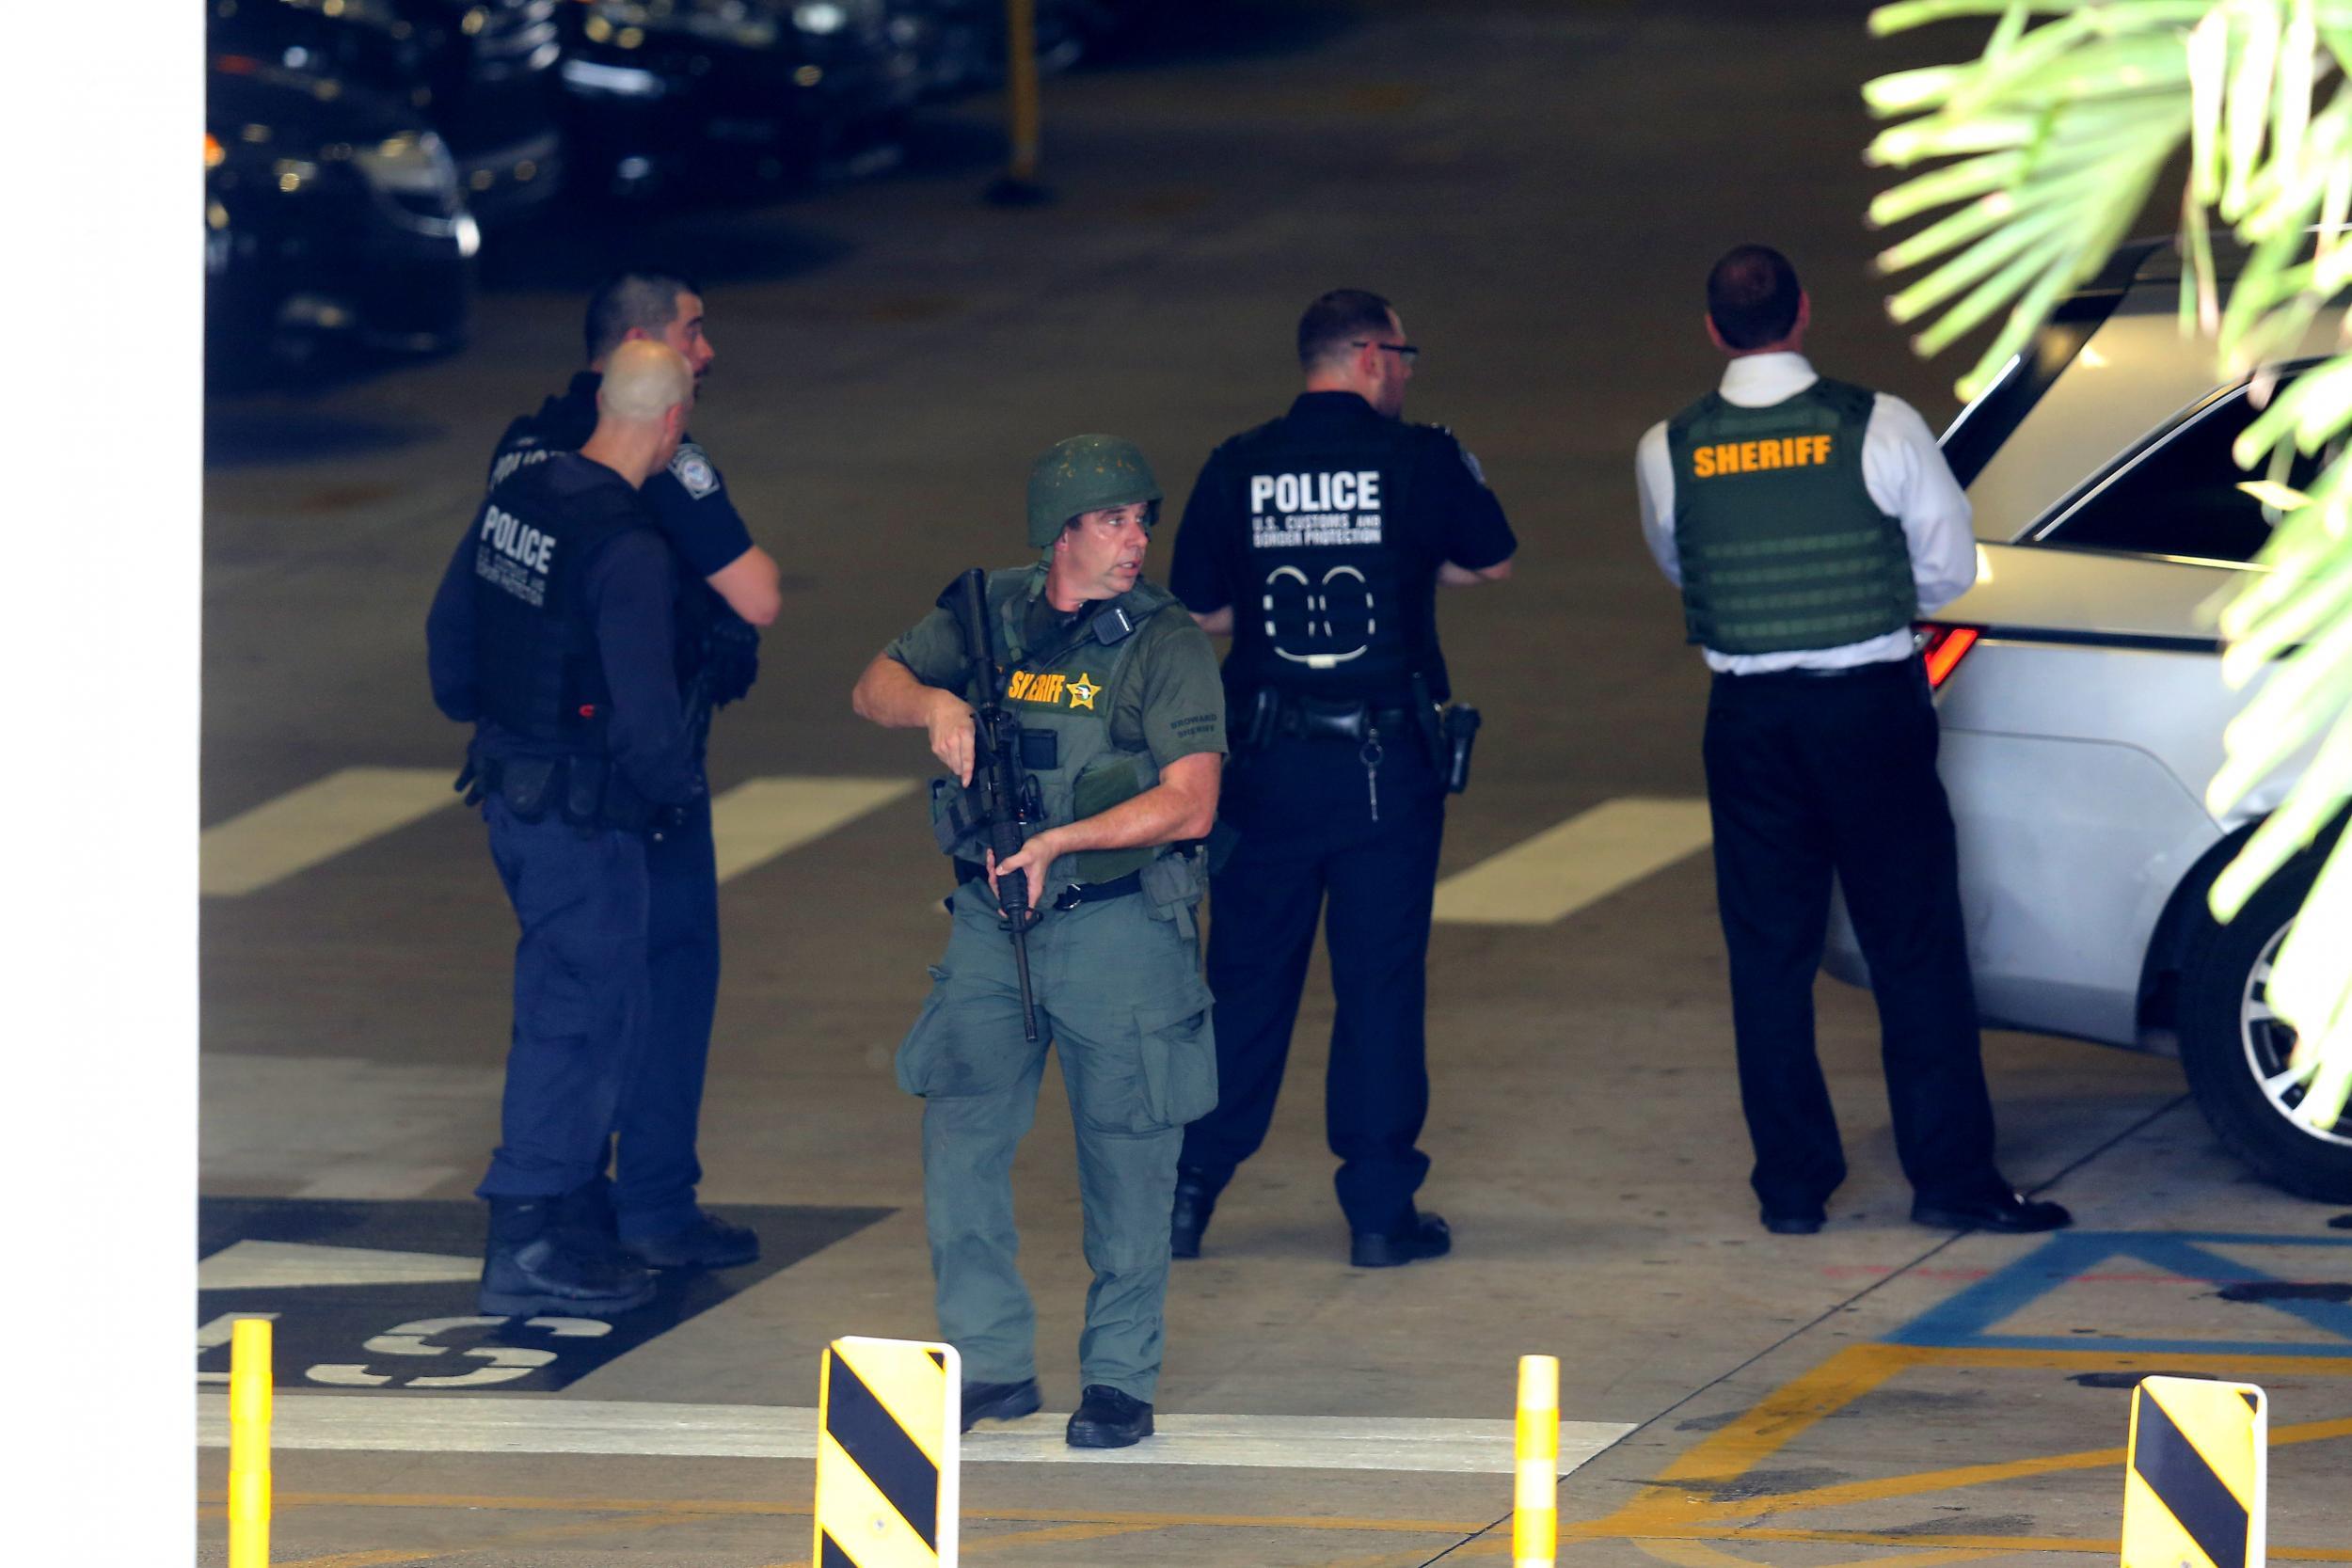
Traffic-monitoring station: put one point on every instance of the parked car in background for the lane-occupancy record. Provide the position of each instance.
(2082, 706)
(481, 72)
(333, 217)
(960, 43)
(708, 96)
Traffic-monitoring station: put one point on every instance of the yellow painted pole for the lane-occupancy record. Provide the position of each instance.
(1021, 89)
(248, 1443)
(1535, 1493)
(1018, 185)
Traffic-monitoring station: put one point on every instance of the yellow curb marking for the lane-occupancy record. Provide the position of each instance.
(618, 1525)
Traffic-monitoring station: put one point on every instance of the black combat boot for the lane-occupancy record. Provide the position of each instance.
(999, 1402)
(584, 1221)
(1195, 1200)
(706, 1242)
(530, 1268)
(1421, 1235)
(1107, 1418)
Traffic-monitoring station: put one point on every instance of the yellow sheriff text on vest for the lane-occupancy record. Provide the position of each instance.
(1747, 458)
(1030, 687)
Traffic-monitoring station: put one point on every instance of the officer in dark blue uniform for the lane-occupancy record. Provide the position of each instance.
(652, 1207)
(1317, 542)
(553, 634)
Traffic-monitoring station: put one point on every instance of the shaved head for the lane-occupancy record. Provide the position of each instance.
(648, 391)
(643, 381)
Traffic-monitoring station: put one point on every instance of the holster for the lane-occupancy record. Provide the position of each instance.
(583, 791)
(529, 785)
(1172, 886)
(731, 658)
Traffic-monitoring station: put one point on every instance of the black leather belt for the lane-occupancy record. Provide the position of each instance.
(1072, 895)
(1314, 719)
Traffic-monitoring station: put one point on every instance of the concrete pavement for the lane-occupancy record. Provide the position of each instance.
(1539, 187)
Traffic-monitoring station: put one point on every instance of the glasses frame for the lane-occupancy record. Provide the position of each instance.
(1410, 352)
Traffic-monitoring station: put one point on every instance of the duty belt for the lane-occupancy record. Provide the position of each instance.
(1321, 718)
(1072, 895)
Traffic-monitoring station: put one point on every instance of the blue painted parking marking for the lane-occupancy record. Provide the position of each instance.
(1969, 1319)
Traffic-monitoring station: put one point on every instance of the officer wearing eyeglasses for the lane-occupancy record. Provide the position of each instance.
(1316, 542)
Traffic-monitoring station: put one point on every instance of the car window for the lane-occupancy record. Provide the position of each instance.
(1989, 420)
(2181, 496)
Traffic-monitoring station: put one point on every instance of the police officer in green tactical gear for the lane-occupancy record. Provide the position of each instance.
(1807, 522)
(1122, 722)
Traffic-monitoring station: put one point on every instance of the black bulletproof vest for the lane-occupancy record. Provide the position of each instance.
(1331, 601)
(535, 646)
(561, 425)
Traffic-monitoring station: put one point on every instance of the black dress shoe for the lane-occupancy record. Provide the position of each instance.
(1107, 1418)
(1195, 1200)
(2011, 1212)
(999, 1402)
(709, 1242)
(1792, 1224)
(1423, 1236)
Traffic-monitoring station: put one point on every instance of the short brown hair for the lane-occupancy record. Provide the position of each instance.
(1339, 318)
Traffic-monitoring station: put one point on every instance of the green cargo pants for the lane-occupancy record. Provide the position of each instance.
(1118, 993)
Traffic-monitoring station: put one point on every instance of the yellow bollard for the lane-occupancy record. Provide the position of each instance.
(1021, 88)
(248, 1443)
(1018, 185)
(1535, 1494)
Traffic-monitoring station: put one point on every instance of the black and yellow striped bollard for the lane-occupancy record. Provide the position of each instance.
(2196, 1476)
(889, 1419)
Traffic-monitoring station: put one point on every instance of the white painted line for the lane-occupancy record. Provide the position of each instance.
(315, 823)
(460, 1424)
(284, 1265)
(761, 819)
(1577, 863)
(361, 1180)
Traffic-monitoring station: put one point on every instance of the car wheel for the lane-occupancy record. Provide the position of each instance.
(2233, 1049)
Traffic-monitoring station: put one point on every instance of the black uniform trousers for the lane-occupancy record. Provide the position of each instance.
(660, 1113)
(1809, 775)
(1303, 808)
(581, 997)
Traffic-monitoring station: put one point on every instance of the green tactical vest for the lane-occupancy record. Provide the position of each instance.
(1063, 705)
(1782, 547)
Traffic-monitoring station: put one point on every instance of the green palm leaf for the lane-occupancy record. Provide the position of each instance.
(2032, 163)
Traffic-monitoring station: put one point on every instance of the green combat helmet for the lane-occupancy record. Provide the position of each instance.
(1084, 473)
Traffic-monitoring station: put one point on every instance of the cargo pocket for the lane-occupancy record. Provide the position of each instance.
(960, 1047)
(1176, 1041)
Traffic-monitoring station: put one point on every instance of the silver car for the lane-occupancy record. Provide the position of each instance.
(2079, 686)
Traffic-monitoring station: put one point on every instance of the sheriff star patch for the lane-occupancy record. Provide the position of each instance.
(1082, 690)
(691, 469)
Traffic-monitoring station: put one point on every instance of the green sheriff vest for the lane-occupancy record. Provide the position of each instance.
(1060, 692)
(1782, 547)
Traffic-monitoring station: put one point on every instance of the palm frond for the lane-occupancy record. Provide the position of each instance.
(2034, 159)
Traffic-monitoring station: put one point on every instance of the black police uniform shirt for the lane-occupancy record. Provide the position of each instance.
(625, 592)
(1323, 530)
(689, 501)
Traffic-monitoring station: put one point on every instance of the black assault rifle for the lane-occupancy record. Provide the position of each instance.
(1003, 800)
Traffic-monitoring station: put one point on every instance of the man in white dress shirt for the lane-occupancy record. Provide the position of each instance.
(1809, 523)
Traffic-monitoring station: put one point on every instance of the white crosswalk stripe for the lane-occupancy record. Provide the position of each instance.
(476, 1424)
(761, 819)
(753, 823)
(315, 823)
(1577, 863)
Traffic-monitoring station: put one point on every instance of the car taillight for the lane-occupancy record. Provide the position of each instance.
(1944, 647)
